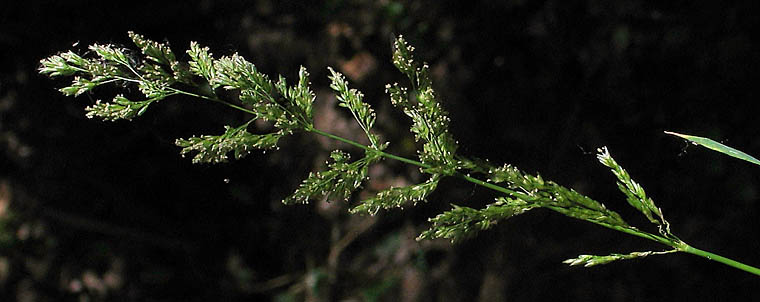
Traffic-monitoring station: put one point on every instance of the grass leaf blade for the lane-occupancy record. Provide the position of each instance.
(711, 144)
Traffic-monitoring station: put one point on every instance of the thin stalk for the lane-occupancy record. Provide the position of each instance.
(635, 232)
(213, 99)
(358, 145)
(711, 256)
(484, 184)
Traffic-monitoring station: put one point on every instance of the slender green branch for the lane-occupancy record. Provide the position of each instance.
(213, 99)
(636, 232)
(129, 66)
(730, 262)
(484, 184)
(358, 145)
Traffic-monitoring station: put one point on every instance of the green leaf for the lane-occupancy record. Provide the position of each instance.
(711, 144)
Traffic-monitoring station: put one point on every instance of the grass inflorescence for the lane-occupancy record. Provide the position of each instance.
(157, 73)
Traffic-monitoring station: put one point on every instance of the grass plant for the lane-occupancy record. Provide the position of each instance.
(158, 74)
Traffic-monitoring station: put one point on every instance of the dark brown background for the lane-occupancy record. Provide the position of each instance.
(110, 212)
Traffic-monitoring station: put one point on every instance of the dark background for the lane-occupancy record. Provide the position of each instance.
(96, 211)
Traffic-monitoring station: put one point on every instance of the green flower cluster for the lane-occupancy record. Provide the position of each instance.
(158, 74)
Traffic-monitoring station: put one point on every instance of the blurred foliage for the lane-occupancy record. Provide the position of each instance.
(110, 213)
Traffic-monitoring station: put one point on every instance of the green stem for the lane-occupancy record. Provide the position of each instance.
(358, 145)
(635, 232)
(213, 99)
(730, 262)
(484, 184)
